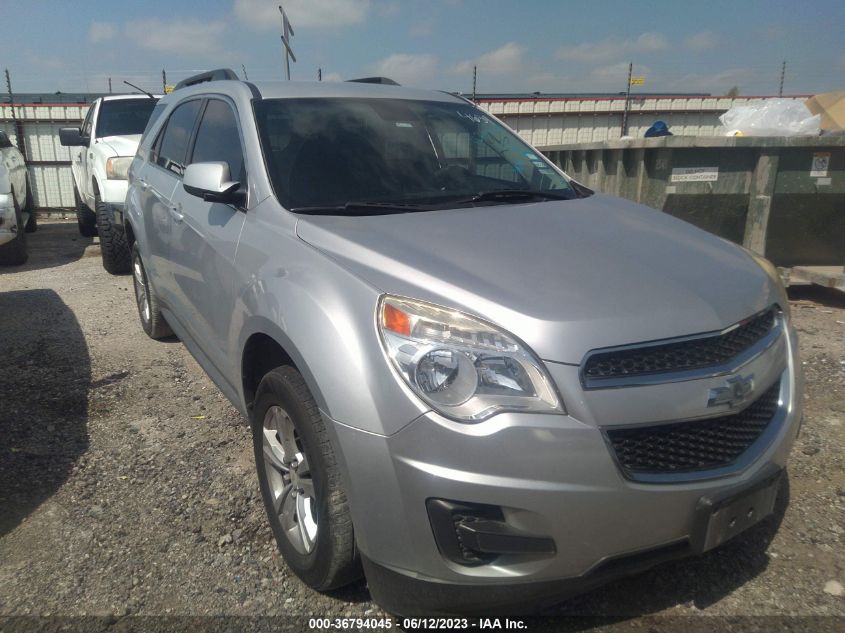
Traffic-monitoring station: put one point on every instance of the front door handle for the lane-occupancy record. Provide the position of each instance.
(176, 213)
(143, 184)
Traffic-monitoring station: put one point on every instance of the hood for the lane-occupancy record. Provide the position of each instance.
(122, 145)
(564, 276)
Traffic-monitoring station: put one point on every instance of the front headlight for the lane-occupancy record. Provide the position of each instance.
(464, 368)
(117, 167)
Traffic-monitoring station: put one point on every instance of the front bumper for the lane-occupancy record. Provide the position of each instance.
(552, 476)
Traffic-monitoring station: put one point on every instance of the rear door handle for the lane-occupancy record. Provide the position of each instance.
(176, 213)
(143, 184)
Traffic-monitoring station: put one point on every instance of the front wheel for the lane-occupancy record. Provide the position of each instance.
(85, 218)
(32, 222)
(117, 259)
(148, 309)
(300, 483)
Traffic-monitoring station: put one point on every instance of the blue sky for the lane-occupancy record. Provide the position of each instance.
(545, 45)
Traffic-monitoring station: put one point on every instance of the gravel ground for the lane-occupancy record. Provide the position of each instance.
(127, 483)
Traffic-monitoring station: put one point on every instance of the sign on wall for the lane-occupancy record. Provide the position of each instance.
(694, 174)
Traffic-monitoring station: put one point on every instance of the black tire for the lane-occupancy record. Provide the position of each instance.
(85, 218)
(334, 561)
(152, 321)
(32, 222)
(117, 258)
(14, 253)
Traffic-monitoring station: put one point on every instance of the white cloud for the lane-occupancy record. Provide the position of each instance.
(263, 15)
(407, 69)
(332, 77)
(506, 59)
(613, 49)
(702, 41)
(177, 35)
(101, 32)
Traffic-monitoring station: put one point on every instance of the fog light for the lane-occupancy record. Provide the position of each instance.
(474, 534)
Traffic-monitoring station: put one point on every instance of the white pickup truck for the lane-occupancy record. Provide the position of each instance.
(106, 142)
(17, 211)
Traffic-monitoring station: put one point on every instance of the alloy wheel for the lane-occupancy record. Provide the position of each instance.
(289, 479)
(141, 289)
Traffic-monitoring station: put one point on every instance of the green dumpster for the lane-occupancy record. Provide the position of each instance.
(783, 197)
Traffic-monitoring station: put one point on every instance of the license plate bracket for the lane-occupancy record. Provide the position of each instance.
(720, 517)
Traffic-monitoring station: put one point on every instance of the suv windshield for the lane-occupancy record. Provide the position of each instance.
(124, 117)
(355, 153)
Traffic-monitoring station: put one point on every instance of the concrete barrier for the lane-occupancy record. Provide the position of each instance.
(781, 197)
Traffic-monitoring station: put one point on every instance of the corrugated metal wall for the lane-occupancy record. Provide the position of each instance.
(545, 122)
(47, 160)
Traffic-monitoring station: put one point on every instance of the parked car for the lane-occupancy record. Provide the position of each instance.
(17, 209)
(106, 142)
(466, 374)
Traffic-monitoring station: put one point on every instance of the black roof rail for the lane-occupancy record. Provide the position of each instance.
(218, 74)
(385, 81)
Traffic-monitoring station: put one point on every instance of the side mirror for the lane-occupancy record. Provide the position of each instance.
(211, 182)
(72, 137)
(4, 140)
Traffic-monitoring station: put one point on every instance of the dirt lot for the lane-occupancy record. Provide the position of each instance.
(127, 484)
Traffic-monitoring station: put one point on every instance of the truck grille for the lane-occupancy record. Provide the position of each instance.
(681, 355)
(695, 445)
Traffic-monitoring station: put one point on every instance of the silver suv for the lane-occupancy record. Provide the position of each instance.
(468, 377)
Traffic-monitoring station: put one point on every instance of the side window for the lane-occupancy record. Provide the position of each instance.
(172, 144)
(86, 124)
(218, 139)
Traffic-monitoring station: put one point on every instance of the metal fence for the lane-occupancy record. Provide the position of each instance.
(34, 129)
(548, 121)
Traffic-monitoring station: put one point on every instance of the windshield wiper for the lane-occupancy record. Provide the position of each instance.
(515, 194)
(362, 208)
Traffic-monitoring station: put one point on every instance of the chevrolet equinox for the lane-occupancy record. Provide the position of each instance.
(469, 378)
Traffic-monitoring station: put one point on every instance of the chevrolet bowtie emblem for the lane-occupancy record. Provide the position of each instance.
(734, 392)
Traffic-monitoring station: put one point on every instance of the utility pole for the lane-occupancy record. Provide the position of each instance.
(474, 80)
(163, 81)
(17, 124)
(243, 68)
(109, 85)
(319, 74)
(627, 100)
(9, 91)
(782, 77)
(287, 32)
